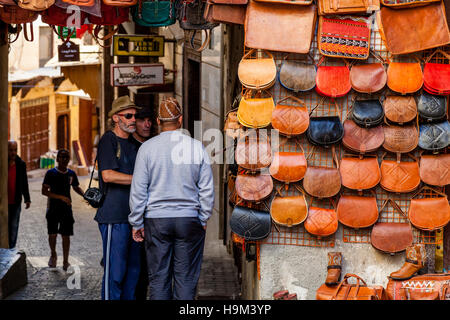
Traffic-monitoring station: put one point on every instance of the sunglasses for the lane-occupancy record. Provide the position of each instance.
(127, 116)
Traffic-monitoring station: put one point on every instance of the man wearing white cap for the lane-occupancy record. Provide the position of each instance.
(171, 199)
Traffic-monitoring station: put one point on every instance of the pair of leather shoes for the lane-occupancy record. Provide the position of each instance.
(284, 295)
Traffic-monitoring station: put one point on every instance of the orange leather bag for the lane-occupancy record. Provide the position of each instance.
(327, 7)
(120, 3)
(321, 222)
(399, 176)
(362, 140)
(264, 29)
(420, 287)
(289, 119)
(289, 210)
(368, 77)
(360, 173)
(435, 169)
(253, 187)
(401, 38)
(357, 211)
(85, 3)
(289, 166)
(400, 109)
(429, 213)
(333, 81)
(256, 71)
(35, 5)
(391, 237)
(404, 77)
(253, 152)
(255, 111)
(347, 291)
(400, 138)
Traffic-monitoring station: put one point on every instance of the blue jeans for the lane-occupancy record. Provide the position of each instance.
(13, 223)
(121, 259)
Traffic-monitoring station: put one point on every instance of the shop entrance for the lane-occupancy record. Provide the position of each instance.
(63, 132)
(191, 98)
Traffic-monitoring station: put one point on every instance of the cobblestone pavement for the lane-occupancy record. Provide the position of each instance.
(83, 281)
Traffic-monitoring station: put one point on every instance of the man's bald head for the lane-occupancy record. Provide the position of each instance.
(12, 150)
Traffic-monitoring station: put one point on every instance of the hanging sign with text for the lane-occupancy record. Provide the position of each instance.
(139, 74)
(135, 45)
(68, 51)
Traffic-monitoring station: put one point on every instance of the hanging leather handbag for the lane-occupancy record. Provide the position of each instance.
(253, 187)
(13, 14)
(429, 213)
(250, 224)
(399, 176)
(35, 5)
(325, 131)
(84, 3)
(360, 173)
(327, 7)
(256, 111)
(420, 287)
(296, 75)
(7, 3)
(436, 76)
(434, 136)
(400, 38)
(391, 237)
(334, 33)
(289, 119)
(406, 3)
(323, 182)
(265, 30)
(253, 152)
(332, 81)
(362, 140)
(111, 16)
(400, 109)
(226, 11)
(432, 108)
(321, 222)
(400, 138)
(347, 291)
(367, 113)
(157, 13)
(297, 2)
(91, 7)
(435, 169)
(121, 3)
(289, 210)
(404, 77)
(257, 72)
(368, 77)
(289, 167)
(357, 211)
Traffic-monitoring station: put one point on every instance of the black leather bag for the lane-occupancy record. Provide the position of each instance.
(250, 224)
(434, 136)
(93, 195)
(325, 131)
(431, 107)
(190, 15)
(367, 113)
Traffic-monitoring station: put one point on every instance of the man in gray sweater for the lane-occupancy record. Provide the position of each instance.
(171, 199)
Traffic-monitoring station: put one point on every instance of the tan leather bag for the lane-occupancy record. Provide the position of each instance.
(400, 109)
(225, 12)
(321, 222)
(400, 138)
(120, 3)
(401, 38)
(253, 151)
(399, 176)
(404, 77)
(391, 237)
(289, 166)
(327, 7)
(420, 287)
(256, 111)
(362, 140)
(265, 30)
(357, 211)
(257, 72)
(253, 187)
(290, 119)
(429, 213)
(360, 173)
(289, 210)
(435, 169)
(35, 5)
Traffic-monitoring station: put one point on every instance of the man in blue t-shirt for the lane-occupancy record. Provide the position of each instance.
(116, 157)
(56, 187)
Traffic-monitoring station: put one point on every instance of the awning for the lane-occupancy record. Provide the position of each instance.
(78, 93)
(20, 75)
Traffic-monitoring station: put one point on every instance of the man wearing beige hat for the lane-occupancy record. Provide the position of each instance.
(171, 199)
(116, 157)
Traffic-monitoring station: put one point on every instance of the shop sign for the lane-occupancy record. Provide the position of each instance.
(135, 45)
(68, 51)
(65, 31)
(124, 75)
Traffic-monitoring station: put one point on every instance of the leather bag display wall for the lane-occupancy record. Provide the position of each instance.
(256, 71)
(359, 173)
(253, 187)
(297, 76)
(436, 76)
(292, 33)
(256, 111)
(250, 224)
(362, 140)
(357, 211)
(253, 152)
(327, 7)
(400, 109)
(290, 119)
(399, 176)
(289, 210)
(434, 136)
(435, 169)
(404, 77)
(401, 38)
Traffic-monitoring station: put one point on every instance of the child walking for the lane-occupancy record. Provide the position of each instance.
(56, 187)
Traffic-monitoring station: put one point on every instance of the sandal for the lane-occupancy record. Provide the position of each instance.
(52, 261)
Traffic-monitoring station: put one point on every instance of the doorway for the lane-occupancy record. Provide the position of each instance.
(63, 132)
(191, 99)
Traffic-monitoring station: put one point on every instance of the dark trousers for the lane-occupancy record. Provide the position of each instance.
(142, 285)
(174, 249)
(13, 223)
(121, 260)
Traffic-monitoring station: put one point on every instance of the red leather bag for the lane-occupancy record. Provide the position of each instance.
(333, 81)
(436, 76)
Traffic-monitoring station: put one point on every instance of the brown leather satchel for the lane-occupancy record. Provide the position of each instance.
(359, 173)
(391, 237)
(256, 71)
(289, 119)
(253, 151)
(321, 222)
(347, 291)
(420, 287)
(435, 169)
(221, 11)
(404, 77)
(288, 166)
(255, 111)
(362, 140)
(400, 109)
(401, 38)
(297, 75)
(357, 211)
(399, 176)
(253, 187)
(400, 138)
(35, 5)
(232, 127)
(368, 77)
(428, 213)
(323, 182)
(289, 210)
(327, 7)
(265, 30)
